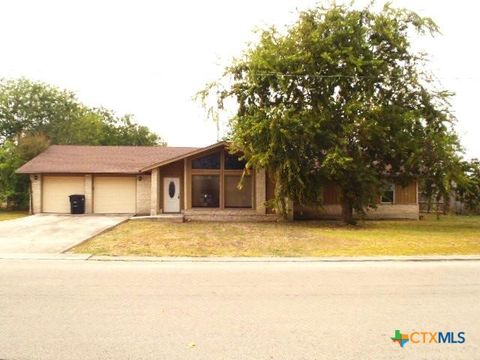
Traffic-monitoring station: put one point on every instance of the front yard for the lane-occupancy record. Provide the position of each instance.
(10, 215)
(447, 236)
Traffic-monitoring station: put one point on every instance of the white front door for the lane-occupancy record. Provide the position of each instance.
(171, 195)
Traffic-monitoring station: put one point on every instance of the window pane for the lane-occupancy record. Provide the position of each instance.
(233, 163)
(205, 191)
(235, 198)
(211, 161)
(387, 196)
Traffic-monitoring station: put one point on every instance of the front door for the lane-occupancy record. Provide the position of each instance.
(171, 195)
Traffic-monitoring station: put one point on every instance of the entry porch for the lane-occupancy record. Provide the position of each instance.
(209, 185)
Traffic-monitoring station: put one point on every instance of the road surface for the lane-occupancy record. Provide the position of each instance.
(136, 310)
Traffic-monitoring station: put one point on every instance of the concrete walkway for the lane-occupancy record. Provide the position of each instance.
(47, 234)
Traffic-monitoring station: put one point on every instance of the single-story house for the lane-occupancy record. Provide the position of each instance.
(200, 183)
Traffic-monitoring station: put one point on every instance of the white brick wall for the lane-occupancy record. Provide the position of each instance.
(36, 193)
(143, 194)
(88, 194)
(155, 192)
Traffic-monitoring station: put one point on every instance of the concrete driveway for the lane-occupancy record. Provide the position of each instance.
(51, 233)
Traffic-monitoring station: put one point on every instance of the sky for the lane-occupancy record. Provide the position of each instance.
(149, 58)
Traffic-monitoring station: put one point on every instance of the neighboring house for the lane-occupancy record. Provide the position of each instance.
(200, 183)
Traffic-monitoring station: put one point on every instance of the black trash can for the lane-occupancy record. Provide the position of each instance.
(77, 204)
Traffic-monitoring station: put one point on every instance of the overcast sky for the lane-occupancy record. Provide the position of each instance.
(148, 58)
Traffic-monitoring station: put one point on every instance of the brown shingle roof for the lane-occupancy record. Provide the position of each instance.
(69, 159)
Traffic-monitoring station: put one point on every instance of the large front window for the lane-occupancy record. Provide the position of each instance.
(216, 180)
(205, 191)
(237, 196)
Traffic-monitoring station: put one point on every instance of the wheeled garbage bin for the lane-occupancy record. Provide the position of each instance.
(77, 204)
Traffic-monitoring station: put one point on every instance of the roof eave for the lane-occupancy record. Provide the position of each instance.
(57, 172)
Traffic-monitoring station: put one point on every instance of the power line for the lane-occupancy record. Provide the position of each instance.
(320, 76)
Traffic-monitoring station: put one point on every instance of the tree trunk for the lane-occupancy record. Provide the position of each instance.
(347, 212)
(446, 203)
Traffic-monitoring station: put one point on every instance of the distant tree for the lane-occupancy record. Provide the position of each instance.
(34, 107)
(124, 131)
(338, 97)
(468, 189)
(28, 107)
(441, 163)
(13, 189)
(30, 146)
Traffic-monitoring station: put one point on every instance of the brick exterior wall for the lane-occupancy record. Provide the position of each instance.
(260, 191)
(405, 205)
(396, 211)
(234, 215)
(143, 194)
(36, 194)
(155, 192)
(381, 212)
(88, 194)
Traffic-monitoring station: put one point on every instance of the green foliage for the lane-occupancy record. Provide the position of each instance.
(30, 146)
(12, 187)
(28, 107)
(34, 115)
(441, 166)
(123, 130)
(338, 97)
(468, 187)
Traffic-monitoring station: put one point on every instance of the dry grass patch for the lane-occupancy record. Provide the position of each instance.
(10, 215)
(447, 236)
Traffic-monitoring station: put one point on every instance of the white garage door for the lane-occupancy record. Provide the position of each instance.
(114, 195)
(56, 190)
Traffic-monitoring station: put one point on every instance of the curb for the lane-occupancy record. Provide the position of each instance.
(282, 260)
(213, 259)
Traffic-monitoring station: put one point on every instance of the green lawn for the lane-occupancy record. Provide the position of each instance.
(9, 215)
(449, 235)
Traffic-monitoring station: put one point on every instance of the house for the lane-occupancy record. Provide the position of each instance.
(200, 183)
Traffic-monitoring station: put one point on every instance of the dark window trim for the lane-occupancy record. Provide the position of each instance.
(222, 172)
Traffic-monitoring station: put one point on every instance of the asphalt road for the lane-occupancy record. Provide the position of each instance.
(120, 310)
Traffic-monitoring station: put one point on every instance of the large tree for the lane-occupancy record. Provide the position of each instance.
(339, 97)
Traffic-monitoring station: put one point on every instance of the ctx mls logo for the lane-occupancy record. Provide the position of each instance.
(429, 337)
(402, 339)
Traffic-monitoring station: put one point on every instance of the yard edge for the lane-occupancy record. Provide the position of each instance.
(94, 235)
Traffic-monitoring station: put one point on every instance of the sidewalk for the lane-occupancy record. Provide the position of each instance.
(89, 257)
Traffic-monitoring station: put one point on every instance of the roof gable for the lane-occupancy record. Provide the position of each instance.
(195, 151)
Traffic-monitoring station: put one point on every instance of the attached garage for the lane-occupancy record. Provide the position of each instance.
(56, 191)
(114, 195)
